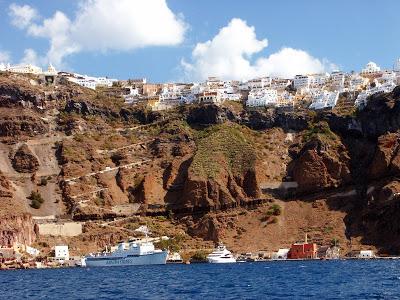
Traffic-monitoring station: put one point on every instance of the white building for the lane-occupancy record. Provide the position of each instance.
(285, 99)
(370, 68)
(170, 96)
(362, 97)
(209, 97)
(259, 83)
(280, 84)
(301, 82)
(262, 97)
(24, 69)
(366, 254)
(32, 251)
(337, 79)
(61, 252)
(324, 99)
(91, 82)
(132, 96)
(357, 82)
(225, 96)
(318, 80)
(2, 67)
(281, 254)
(387, 76)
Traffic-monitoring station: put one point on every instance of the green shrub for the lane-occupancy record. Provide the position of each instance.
(35, 196)
(173, 244)
(199, 255)
(35, 204)
(43, 181)
(320, 130)
(275, 210)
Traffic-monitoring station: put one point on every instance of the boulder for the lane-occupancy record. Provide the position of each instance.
(24, 161)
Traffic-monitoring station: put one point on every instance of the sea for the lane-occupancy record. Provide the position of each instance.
(341, 279)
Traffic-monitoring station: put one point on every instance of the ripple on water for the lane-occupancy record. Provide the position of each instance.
(277, 280)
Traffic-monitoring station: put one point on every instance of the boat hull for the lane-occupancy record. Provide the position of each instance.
(222, 261)
(158, 258)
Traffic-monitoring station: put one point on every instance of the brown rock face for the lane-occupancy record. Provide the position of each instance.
(386, 156)
(24, 161)
(17, 229)
(321, 165)
(5, 187)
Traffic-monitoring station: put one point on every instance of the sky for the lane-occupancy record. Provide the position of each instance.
(189, 40)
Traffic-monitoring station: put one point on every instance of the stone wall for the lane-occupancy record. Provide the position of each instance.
(60, 229)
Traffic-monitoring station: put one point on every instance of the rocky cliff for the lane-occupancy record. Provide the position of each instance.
(256, 179)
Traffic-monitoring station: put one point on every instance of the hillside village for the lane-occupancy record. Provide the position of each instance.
(313, 91)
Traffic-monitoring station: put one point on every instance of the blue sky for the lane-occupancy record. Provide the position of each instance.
(346, 33)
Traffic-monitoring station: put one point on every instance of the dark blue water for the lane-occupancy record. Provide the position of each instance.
(267, 280)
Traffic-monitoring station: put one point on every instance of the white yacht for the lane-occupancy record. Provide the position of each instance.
(221, 255)
(135, 254)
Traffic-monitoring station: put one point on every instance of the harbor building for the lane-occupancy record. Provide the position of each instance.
(61, 252)
(304, 250)
(366, 254)
(281, 254)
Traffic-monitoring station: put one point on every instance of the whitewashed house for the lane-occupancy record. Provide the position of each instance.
(285, 99)
(262, 97)
(362, 97)
(357, 82)
(324, 99)
(302, 82)
(387, 76)
(133, 95)
(337, 80)
(280, 84)
(259, 83)
(318, 80)
(91, 82)
(170, 96)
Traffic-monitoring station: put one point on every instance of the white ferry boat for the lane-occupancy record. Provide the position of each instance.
(221, 255)
(136, 254)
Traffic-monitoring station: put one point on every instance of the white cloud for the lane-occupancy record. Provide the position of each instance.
(31, 57)
(229, 55)
(102, 25)
(22, 15)
(4, 57)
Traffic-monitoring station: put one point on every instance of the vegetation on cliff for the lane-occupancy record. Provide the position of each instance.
(220, 145)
